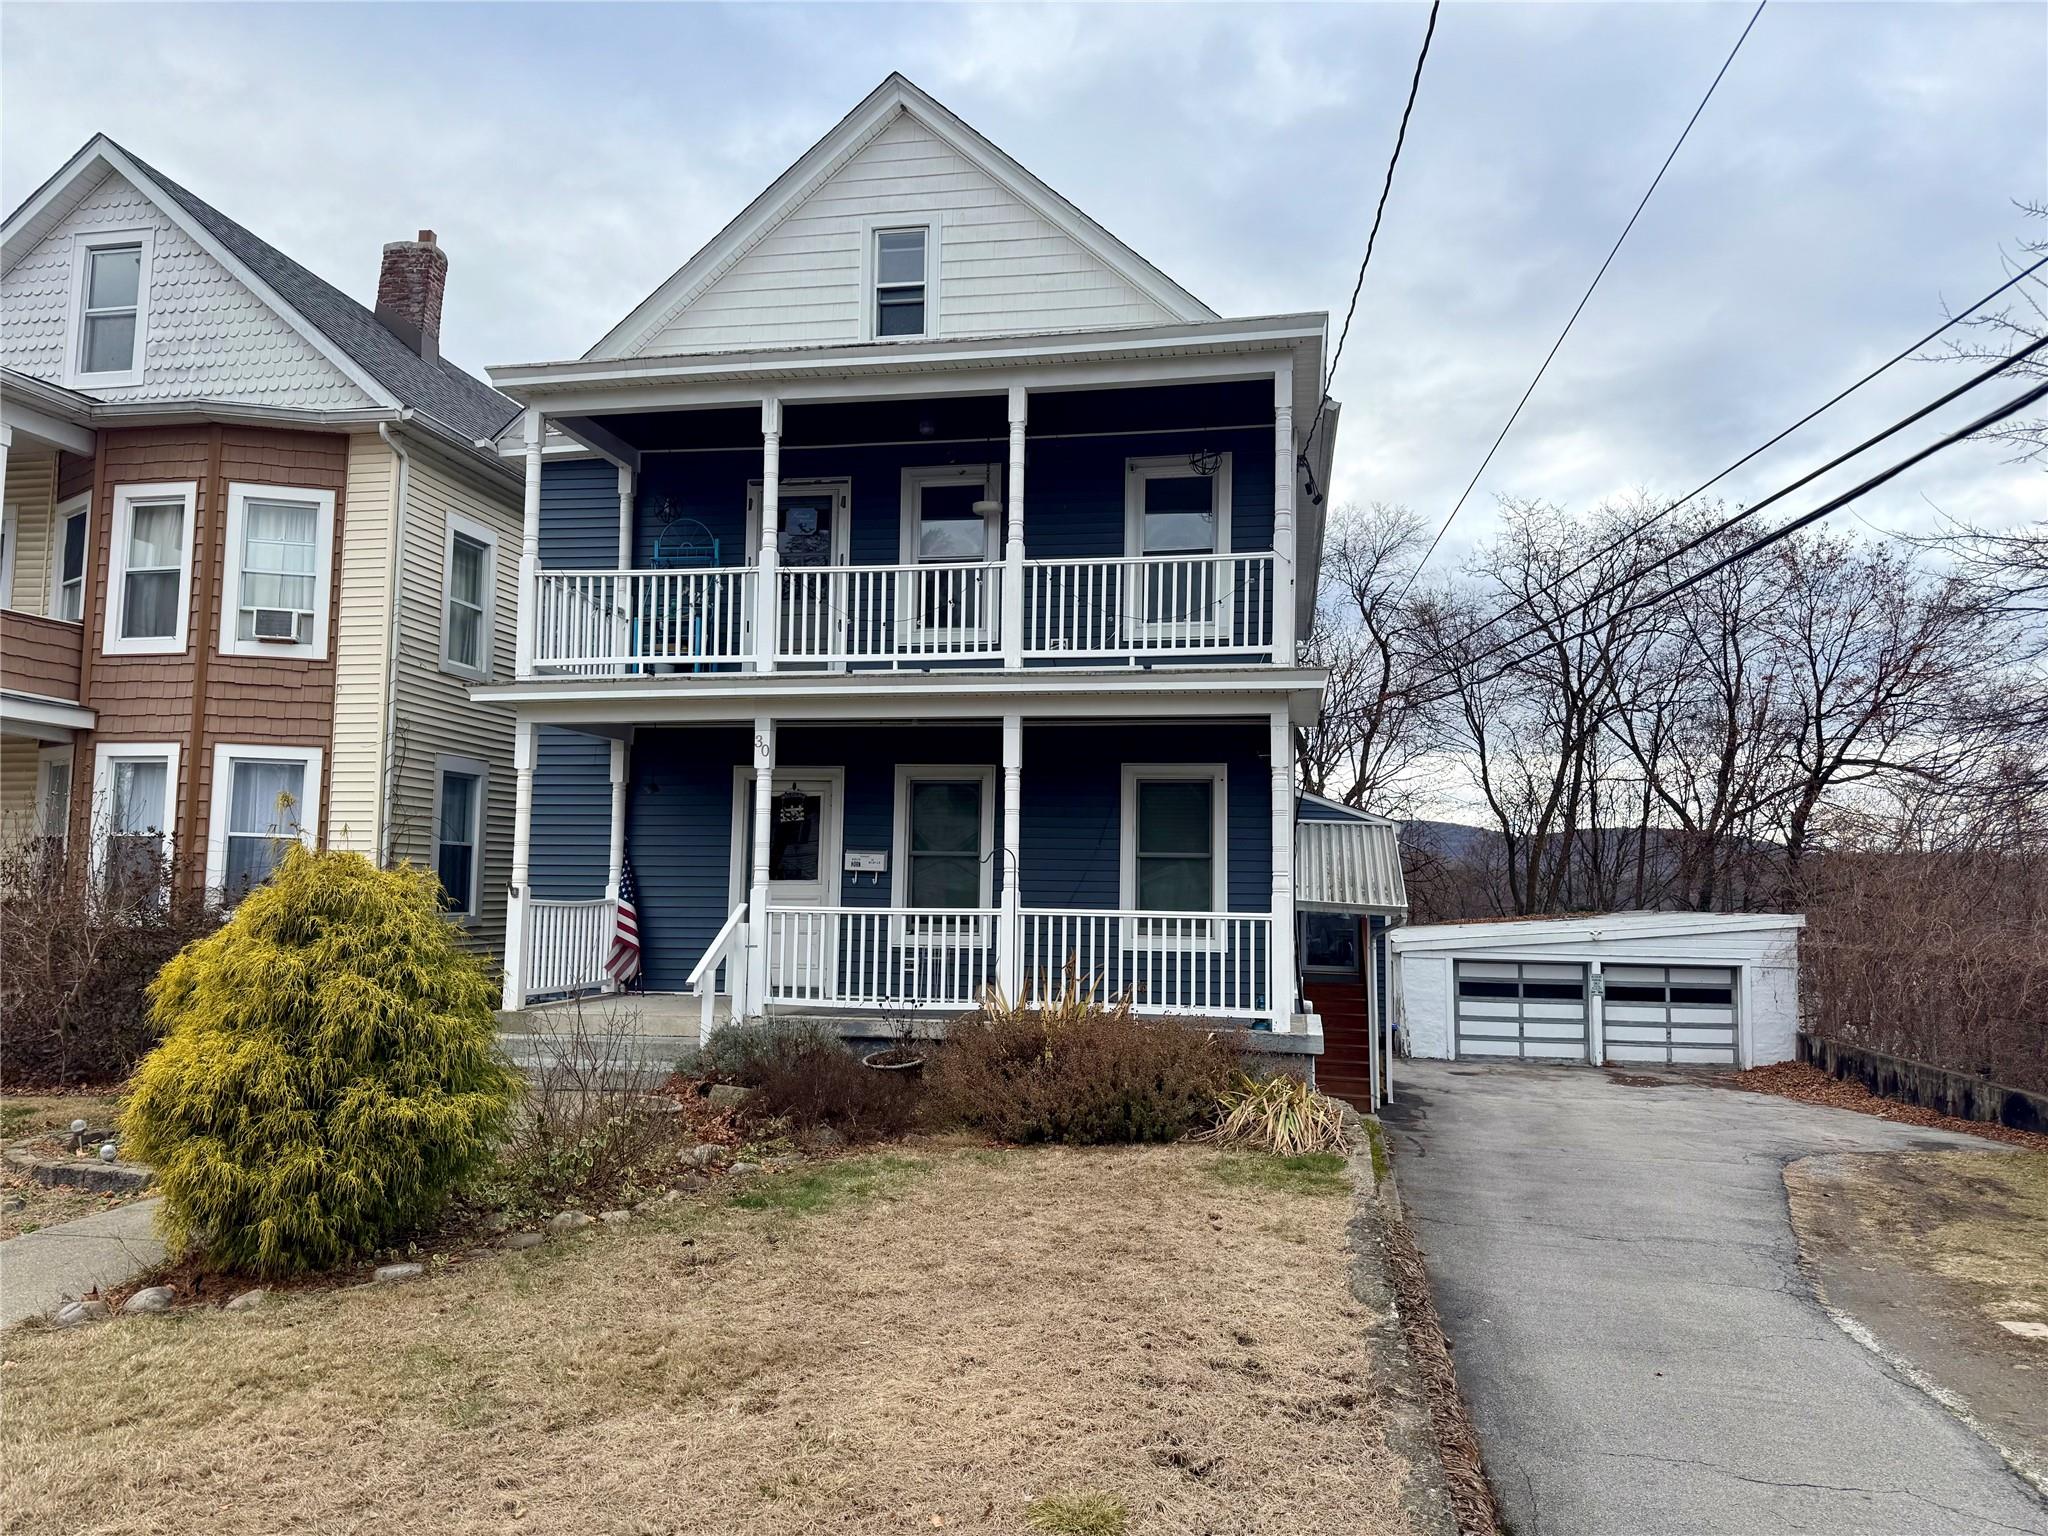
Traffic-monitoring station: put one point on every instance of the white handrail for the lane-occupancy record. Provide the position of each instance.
(604, 620)
(881, 957)
(1210, 964)
(1151, 605)
(893, 613)
(728, 946)
(567, 945)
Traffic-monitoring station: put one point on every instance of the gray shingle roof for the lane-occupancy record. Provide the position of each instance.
(467, 406)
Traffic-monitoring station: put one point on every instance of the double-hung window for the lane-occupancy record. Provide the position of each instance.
(280, 545)
(469, 579)
(53, 801)
(150, 578)
(902, 280)
(1173, 844)
(458, 833)
(67, 571)
(134, 813)
(264, 800)
(110, 308)
(945, 851)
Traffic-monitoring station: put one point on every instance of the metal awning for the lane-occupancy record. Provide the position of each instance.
(1348, 866)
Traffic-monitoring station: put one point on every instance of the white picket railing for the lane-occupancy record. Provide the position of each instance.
(567, 944)
(893, 613)
(879, 957)
(1212, 964)
(596, 621)
(728, 949)
(1155, 605)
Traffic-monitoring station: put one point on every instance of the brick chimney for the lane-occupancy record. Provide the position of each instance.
(409, 289)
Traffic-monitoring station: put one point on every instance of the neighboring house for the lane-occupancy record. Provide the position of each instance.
(912, 591)
(257, 548)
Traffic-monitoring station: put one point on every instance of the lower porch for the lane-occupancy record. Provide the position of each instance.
(881, 873)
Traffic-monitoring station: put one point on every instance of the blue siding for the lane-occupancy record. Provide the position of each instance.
(572, 813)
(579, 514)
(1306, 809)
(679, 825)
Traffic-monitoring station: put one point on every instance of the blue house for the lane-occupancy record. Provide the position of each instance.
(911, 597)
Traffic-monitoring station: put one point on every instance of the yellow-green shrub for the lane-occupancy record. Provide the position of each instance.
(328, 1073)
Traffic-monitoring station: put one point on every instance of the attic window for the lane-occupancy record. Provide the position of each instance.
(899, 282)
(110, 314)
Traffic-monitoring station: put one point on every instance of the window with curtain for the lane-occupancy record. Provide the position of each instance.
(1179, 515)
(899, 282)
(70, 603)
(455, 840)
(279, 546)
(53, 804)
(944, 844)
(150, 570)
(113, 292)
(138, 821)
(265, 804)
(469, 585)
(1176, 854)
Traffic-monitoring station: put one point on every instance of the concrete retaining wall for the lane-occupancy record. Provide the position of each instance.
(1962, 1094)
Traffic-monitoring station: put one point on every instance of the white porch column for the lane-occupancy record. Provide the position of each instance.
(622, 589)
(1013, 544)
(529, 542)
(615, 857)
(1283, 515)
(1284, 989)
(1009, 939)
(625, 517)
(525, 746)
(767, 585)
(757, 900)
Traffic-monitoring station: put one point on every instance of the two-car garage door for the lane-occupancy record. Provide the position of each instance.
(1537, 1011)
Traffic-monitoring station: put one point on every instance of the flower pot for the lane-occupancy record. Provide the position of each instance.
(894, 1058)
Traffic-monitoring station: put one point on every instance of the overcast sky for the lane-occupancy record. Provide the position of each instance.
(1857, 169)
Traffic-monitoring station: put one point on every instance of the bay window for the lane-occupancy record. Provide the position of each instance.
(280, 544)
(264, 799)
(150, 575)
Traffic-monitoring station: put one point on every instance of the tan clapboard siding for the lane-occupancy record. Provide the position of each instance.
(17, 786)
(363, 602)
(436, 717)
(32, 493)
(1003, 267)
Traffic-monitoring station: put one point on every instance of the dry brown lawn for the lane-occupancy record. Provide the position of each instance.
(938, 1339)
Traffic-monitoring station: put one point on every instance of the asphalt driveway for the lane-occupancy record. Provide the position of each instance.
(1642, 1354)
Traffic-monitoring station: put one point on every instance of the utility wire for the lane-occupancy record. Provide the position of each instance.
(1378, 213)
(1658, 516)
(1583, 300)
(2011, 408)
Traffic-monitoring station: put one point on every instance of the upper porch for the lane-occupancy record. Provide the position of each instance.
(890, 513)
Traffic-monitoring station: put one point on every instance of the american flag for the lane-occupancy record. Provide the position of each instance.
(624, 963)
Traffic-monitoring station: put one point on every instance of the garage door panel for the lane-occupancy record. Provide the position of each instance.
(1724, 1017)
(1635, 1052)
(1635, 1034)
(1514, 1009)
(1633, 1013)
(1695, 1056)
(1675, 1014)
(1721, 1037)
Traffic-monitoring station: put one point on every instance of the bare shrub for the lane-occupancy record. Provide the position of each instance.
(1941, 957)
(594, 1129)
(1079, 1072)
(804, 1077)
(79, 961)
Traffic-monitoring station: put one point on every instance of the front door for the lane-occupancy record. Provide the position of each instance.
(951, 536)
(803, 874)
(811, 529)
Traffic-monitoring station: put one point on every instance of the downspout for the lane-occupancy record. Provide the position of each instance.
(401, 486)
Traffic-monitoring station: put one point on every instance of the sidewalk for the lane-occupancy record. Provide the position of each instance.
(40, 1269)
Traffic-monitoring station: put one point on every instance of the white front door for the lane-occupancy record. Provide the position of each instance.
(804, 833)
(811, 527)
(950, 536)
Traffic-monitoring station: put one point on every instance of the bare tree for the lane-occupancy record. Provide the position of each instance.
(1998, 333)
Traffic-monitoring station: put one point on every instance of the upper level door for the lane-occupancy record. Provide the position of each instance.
(952, 536)
(813, 521)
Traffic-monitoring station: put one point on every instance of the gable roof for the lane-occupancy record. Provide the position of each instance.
(350, 335)
(893, 97)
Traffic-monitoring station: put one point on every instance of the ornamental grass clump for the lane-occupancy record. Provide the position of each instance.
(328, 1075)
(1281, 1114)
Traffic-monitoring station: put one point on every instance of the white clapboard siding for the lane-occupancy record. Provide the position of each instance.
(1003, 269)
(361, 604)
(208, 335)
(436, 716)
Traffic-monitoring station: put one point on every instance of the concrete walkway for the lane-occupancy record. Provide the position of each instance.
(55, 1264)
(1642, 1352)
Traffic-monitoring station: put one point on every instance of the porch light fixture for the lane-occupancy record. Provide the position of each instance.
(988, 506)
(1205, 462)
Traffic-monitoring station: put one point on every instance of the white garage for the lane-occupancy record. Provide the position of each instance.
(1644, 988)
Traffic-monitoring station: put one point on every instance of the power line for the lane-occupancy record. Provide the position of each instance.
(1400, 137)
(1584, 299)
(2011, 408)
(1712, 480)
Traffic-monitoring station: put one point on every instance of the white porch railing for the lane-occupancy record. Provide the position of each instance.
(894, 613)
(726, 951)
(880, 958)
(1155, 605)
(605, 620)
(1212, 964)
(567, 943)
